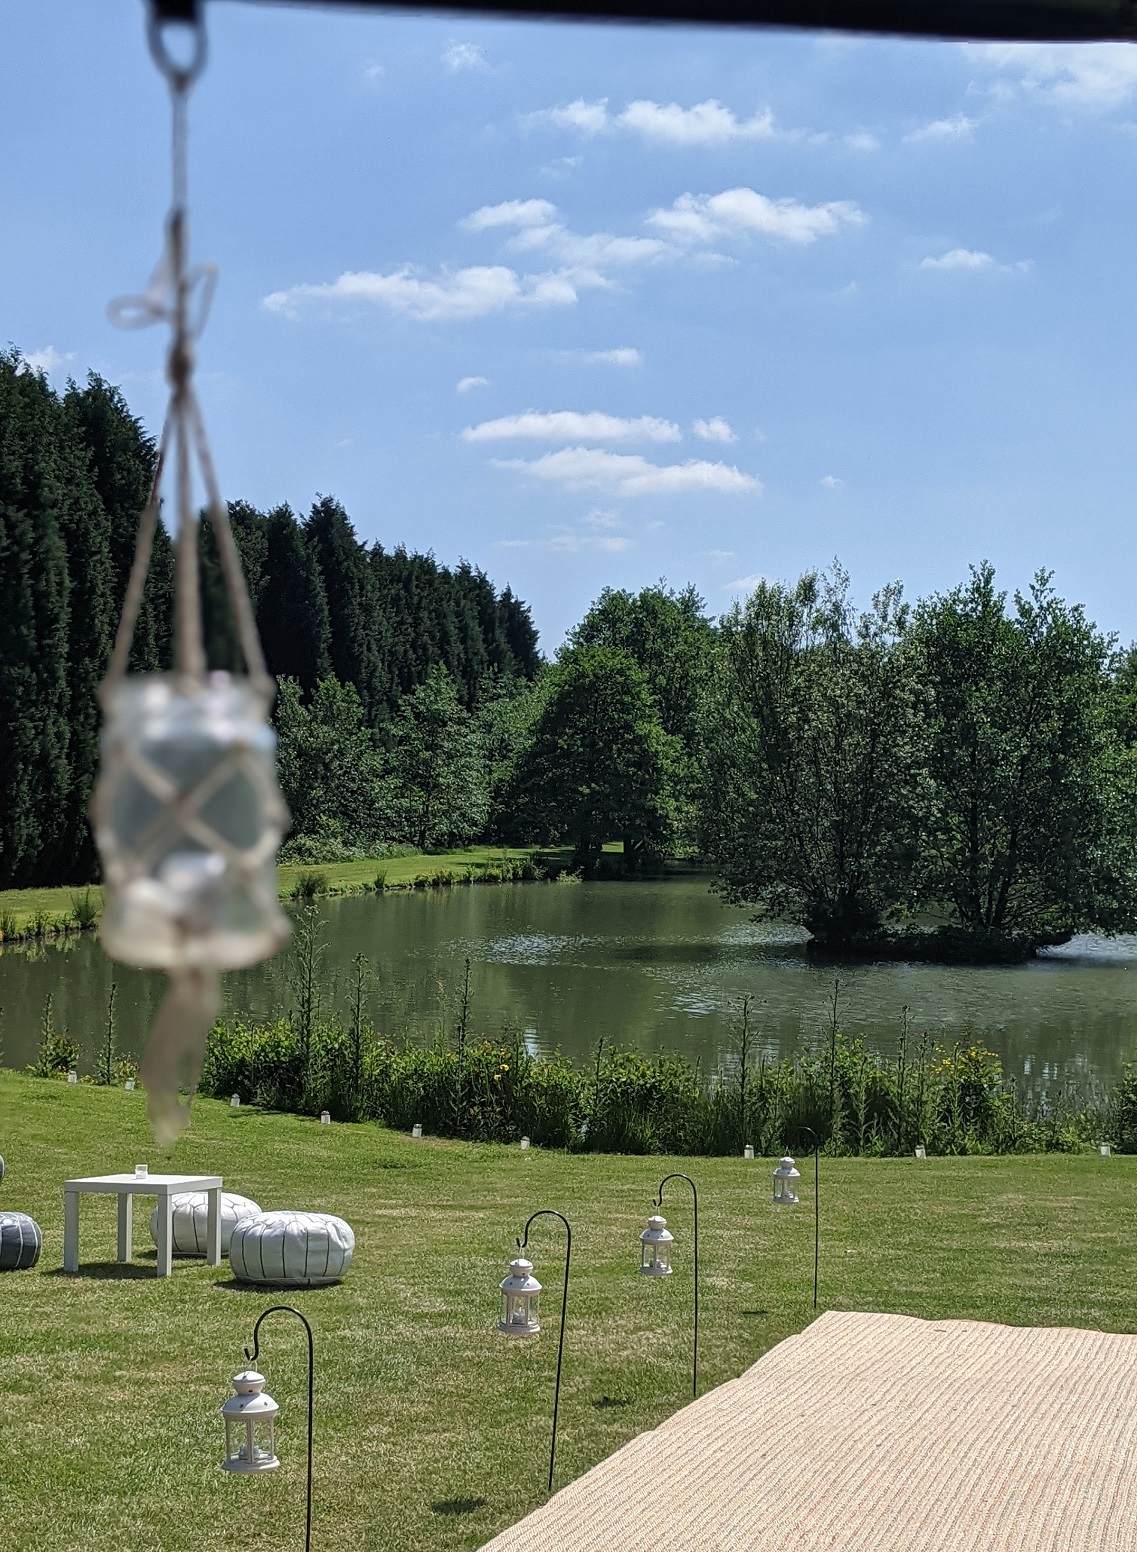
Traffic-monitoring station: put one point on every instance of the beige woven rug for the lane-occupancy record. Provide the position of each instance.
(878, 1433)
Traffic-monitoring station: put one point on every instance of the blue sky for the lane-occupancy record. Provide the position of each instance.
(594, 306)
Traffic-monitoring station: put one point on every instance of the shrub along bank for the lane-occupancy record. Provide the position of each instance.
(952, 1101)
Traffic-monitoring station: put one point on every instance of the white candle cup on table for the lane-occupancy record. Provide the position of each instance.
(141, 1171)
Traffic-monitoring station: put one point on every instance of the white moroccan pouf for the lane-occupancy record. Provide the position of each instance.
(297, 1249)
(190, 1220)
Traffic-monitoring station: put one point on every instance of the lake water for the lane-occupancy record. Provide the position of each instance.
(657, 965)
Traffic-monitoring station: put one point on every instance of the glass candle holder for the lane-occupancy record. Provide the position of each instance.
(188, 819)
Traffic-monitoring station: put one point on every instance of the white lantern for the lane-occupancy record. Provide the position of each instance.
(416, 1129)
(748, 1151)
(655, 1248)
(325, 1118)
(524, 1144)
(234, 1102)
(129, 1085)
(1105, 1150)
(72, 1076)
(785, 1179)
(921, 1151)
(188, 819)
(520, 1300)
(250, 1425)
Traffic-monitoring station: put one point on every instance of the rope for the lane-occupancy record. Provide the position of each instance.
(169, 298)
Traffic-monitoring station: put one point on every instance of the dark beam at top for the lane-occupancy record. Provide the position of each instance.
(1035, 20)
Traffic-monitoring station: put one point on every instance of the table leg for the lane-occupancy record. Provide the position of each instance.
(213, 1228)
(70, 1231)
(165, 1234)
(125, 1225)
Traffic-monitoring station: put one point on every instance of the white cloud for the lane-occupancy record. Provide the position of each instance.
(706, 124)
(47, 360)
(511, 213)
(831, 482)
(623, 355)
(745, 584)
(463, 56)
(465, 384)
(861, 140)
(720, 556)
(1065, 75)
(590, 118)
(705, 217)
(374, 71)
(464, 293)
(959, 258)
(715, 430)
(628, 474)
(572, 426)
(958, 128)
(565, 542)
(599, 517)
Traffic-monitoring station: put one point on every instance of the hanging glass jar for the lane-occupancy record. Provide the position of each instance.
(186, 813)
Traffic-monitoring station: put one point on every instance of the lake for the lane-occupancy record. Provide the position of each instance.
(661, 966)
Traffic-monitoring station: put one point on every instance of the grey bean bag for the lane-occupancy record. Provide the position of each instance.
(293, 1249)
(190, 1218)
(20, 1241)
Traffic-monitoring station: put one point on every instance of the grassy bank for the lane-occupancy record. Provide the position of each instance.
(432, 1431)
(43, 912)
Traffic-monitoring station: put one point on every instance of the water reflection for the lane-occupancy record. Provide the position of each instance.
(659, 965)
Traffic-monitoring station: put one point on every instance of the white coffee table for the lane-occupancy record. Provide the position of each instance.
(126, 1188)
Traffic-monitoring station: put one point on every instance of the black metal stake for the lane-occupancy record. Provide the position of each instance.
(695, 1350)
(251, 1357)
(549, 1212)
(816, 1206)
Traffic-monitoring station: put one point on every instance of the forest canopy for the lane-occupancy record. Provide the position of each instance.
(955, 776)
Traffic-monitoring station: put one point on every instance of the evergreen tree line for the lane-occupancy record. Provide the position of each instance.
(368, 624)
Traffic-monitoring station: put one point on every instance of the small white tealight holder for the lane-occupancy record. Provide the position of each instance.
(141, 1171)
(416, 1129)
(234, 1102)
(921, 1152)
(325, 1118)
(72, 1076)
(129, 1085)
(748, 1151)
(1105, 1150)
(524, 1144)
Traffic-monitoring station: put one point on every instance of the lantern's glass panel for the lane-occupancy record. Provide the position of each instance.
(188, 819)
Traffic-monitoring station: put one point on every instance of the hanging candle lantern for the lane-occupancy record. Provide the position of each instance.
(655, 1248)
(520, 1300)
(250, 1425)
(785, 1182)
(186, 813)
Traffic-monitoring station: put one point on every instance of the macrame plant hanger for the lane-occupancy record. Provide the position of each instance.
(187, 813)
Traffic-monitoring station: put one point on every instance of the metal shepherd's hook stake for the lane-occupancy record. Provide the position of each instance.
(522, 1244)
(251, 1357)
(695, 1350)
(816, 1206)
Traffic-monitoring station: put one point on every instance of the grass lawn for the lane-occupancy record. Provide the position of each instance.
(432, 1431)
(55, 905)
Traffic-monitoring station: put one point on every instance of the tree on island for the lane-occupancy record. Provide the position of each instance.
(599, 763)
(1031, 827)
(811, 777)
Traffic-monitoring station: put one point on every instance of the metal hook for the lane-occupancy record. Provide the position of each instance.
(180, 77)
